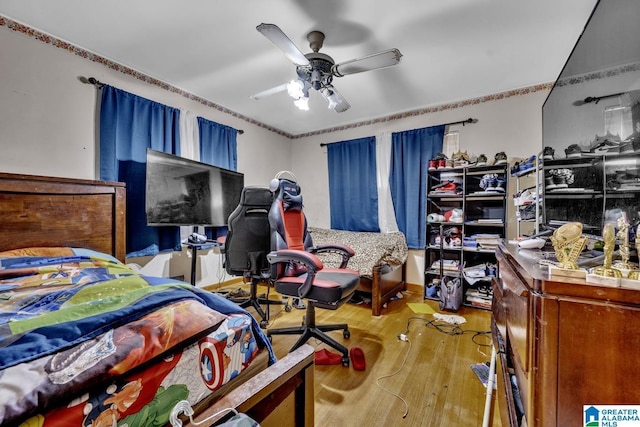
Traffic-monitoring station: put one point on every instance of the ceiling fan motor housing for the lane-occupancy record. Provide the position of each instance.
(318, 72)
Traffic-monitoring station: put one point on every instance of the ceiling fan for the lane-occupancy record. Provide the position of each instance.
(316, 70)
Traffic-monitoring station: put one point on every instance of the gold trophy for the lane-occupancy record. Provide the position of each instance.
(623, 244)
(609, 237)
(568, 243)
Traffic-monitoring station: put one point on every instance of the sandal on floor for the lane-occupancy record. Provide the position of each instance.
(238, 293)
(326, 357)
(357, 358)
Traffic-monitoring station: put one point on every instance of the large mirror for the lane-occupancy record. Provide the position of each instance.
(598, 91)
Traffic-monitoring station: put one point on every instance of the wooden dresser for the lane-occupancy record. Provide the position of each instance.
(566, 343)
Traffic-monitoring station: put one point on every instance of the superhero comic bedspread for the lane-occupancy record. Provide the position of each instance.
(87, 341)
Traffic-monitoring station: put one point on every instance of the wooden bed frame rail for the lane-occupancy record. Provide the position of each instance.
(280, 396)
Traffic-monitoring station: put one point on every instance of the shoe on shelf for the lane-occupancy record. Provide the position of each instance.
(455, 242)
(607, 144)
(500, 184)
(489, 181)
(500, 158)
(456, 216)
(562, 177)
(452, 231)
(528, 212)
(515, 169)
(548, 182)
(433, 164)
(528, 164)
(442, 184)
(525, 197)
(573, 151)
(548, 153)
(460, 159)
(482, 160)
(445, 187)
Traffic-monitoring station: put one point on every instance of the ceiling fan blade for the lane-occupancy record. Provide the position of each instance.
(383, 59)
(269, 92)
(336, 101)
(280, 39)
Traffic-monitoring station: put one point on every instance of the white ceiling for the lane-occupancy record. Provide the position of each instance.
(452, 50)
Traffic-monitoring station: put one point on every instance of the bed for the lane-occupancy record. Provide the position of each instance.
(379, 259)
(87, 340)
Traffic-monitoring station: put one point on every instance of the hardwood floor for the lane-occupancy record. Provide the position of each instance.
(430, 373)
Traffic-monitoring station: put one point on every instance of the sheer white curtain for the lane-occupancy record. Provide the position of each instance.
(189, 135)
(451, 143)
(386, 212)
(189, 149)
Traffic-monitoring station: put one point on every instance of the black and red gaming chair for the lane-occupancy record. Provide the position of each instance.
(297, 271)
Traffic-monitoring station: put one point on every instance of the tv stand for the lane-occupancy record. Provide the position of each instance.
(194, 247)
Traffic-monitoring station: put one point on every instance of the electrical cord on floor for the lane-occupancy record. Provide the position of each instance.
(274, 317)
(401, 337)
(451, 329)
(221, 273)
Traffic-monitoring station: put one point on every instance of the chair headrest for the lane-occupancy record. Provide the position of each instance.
(289, 193)
(256, 196)
(292, 202)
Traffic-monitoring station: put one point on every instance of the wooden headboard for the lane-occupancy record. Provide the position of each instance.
(47, 211)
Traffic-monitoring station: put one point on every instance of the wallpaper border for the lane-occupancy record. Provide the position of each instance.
(83, 53)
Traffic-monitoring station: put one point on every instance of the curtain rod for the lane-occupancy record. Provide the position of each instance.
(97, 83)
(462, 122)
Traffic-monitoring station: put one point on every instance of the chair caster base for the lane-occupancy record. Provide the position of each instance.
(345, 361)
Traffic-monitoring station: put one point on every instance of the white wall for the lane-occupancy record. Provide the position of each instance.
(510, 124)
(48, 127)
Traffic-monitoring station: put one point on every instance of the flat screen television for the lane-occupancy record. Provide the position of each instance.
(180, 191)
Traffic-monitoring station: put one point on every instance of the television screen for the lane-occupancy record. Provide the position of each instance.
(180, 191)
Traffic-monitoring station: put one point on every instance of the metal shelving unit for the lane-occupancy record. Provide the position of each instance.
(483, 214)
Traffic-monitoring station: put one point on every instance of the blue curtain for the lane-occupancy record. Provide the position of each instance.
(218, 144)
(129, 125)
(411, 151)
(353, 191)
(218, 147)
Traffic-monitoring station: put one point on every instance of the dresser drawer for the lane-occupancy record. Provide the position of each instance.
(515, 299)
(497, 307)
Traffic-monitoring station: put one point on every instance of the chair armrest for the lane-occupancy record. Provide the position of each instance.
(344, 251)
(305, 258)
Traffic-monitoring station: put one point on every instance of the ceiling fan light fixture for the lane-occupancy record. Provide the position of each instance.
(336, 101)
(302, 103)
(331, 98)
(295, 89)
